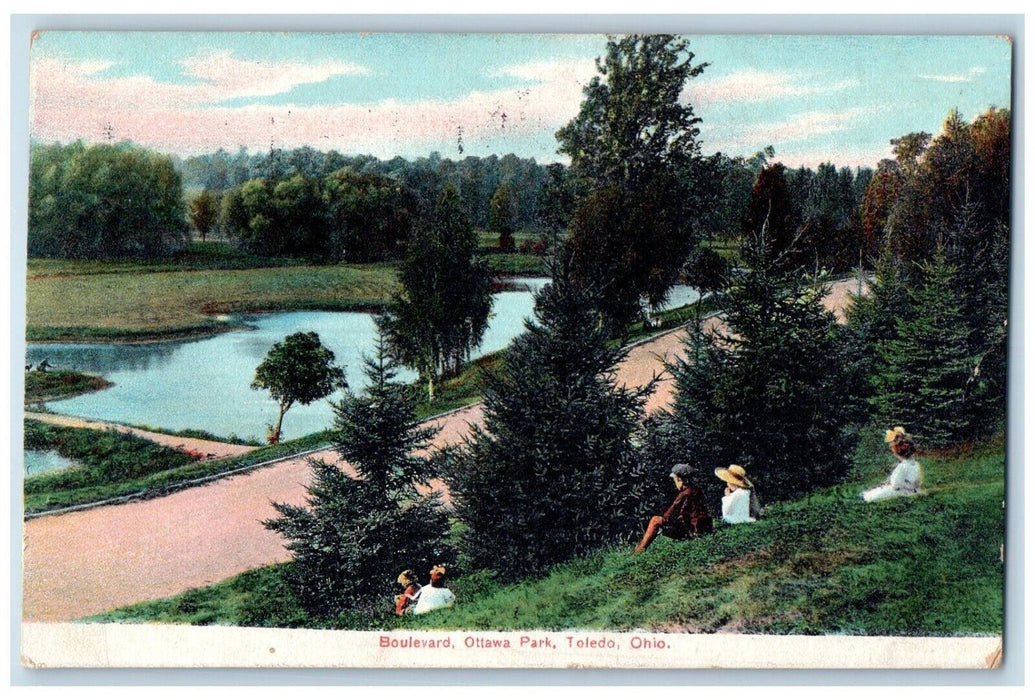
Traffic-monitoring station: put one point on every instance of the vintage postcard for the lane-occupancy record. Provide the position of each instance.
(486, 350)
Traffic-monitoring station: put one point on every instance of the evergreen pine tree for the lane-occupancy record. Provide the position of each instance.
(552, 474)
(354, 535)
(924, 370)
(769, 392)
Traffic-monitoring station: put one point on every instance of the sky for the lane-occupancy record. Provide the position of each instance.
(815, 99)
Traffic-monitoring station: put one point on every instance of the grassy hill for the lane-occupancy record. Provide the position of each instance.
(827, 563)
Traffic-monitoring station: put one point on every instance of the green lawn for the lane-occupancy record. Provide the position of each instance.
(824, 564)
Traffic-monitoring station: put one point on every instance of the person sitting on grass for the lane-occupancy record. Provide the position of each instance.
(905, 478)
(435, 595)
(411, 589)
(687, 516)
(739, 504)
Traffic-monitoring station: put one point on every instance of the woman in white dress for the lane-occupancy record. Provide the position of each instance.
(739, 504)
(906, 477)
(435, 595)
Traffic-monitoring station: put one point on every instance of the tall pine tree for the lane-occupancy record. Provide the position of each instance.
(553, 472)
(768, 391)
(925, 370)
(354, 535)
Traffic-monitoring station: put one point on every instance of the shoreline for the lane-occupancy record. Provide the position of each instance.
(91, 336)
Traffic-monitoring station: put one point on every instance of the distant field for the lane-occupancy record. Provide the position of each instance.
(128, 304)
(96, 300)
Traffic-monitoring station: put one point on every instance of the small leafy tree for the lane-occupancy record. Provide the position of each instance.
(553, 472)
(354, 535)
(501, 216)
(298, 370)
(204, 212)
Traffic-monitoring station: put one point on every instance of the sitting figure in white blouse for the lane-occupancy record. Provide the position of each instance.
(905, 478)
(435, 595)
(739, 504)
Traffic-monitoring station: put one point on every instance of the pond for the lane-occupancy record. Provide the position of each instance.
(44, 461)
(204, 383)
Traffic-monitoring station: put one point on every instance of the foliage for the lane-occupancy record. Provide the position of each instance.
(705, 269)
(298, 370)
(925, 370)
(501, 212)
(442, 310)
(944, 202)
(552, 473)
(371, 216)
(355, 535)
(47, 386)
(769, 391)
(633, 149)
(277, 217)
(106, 202)
(204, 212)
(422, 179)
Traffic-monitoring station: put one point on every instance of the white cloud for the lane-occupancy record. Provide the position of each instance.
(797, 127)
(955, 77)
(757, 86)
(229, 77)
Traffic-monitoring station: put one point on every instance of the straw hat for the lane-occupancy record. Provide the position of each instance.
(734, 475)
(896, 433)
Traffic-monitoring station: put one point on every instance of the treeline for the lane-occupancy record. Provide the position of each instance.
(475, 179)
(122, 201)
(109, 201)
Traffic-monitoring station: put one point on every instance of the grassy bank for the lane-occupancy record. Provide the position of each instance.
(59, 384)
(824, 564)
(105, 457)
(140, 475)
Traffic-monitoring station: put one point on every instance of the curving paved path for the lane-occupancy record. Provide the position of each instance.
(88, 562)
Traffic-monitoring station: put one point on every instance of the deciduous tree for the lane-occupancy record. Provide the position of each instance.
(298, 370)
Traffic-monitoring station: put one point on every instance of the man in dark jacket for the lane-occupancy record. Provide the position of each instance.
(687, 516)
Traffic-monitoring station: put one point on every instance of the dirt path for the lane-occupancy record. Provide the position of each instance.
(88, 562)
(210, 448)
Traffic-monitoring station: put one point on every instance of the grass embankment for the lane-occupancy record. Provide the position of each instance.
(121, 466)
(105, 457)
(827, 563)
(60, 384)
